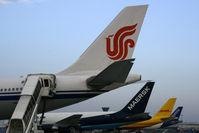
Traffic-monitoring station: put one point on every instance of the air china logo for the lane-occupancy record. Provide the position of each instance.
(119, 49)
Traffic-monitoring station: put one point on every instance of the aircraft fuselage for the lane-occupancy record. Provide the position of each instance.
(69, 90)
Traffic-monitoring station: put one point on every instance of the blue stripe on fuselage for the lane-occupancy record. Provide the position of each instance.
(16, 95)
(82, 91)
(9, 93)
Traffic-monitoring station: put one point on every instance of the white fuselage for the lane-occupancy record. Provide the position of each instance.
(69, 90)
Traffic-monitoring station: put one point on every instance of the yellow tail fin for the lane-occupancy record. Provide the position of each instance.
(166, 108)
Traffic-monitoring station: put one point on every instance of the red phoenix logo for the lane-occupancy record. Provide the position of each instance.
(119, 50)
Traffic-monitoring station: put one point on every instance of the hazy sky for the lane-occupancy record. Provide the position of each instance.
(49, 35)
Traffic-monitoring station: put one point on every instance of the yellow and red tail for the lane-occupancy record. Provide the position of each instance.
(166, 109)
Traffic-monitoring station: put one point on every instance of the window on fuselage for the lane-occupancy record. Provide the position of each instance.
(17, 89)
(21, 89)
(1, 89)
(9, 89)
(13, 89)
(5, 89)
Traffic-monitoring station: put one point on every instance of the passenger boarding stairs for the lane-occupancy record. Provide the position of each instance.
(24, 118)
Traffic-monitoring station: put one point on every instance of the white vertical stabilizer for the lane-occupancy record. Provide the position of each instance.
(116, 42)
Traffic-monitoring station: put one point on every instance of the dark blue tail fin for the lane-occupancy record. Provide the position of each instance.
(175, 115)
(139, 102)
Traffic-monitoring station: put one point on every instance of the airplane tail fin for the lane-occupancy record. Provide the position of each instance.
(166, 108)
(175, 115)
(177, 112)
(116, 42)
(139, 102)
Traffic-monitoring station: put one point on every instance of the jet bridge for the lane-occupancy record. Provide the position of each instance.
(24, 117)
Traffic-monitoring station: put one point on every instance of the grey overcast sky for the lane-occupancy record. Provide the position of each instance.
(49, 35)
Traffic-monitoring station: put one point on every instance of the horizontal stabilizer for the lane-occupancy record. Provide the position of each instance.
(167, 119)
(141, 116)
(69, 121)
(117, 72)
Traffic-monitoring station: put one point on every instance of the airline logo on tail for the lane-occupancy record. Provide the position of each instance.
(176, 112)
(164, 110)
(120, 45)
(138, 98)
